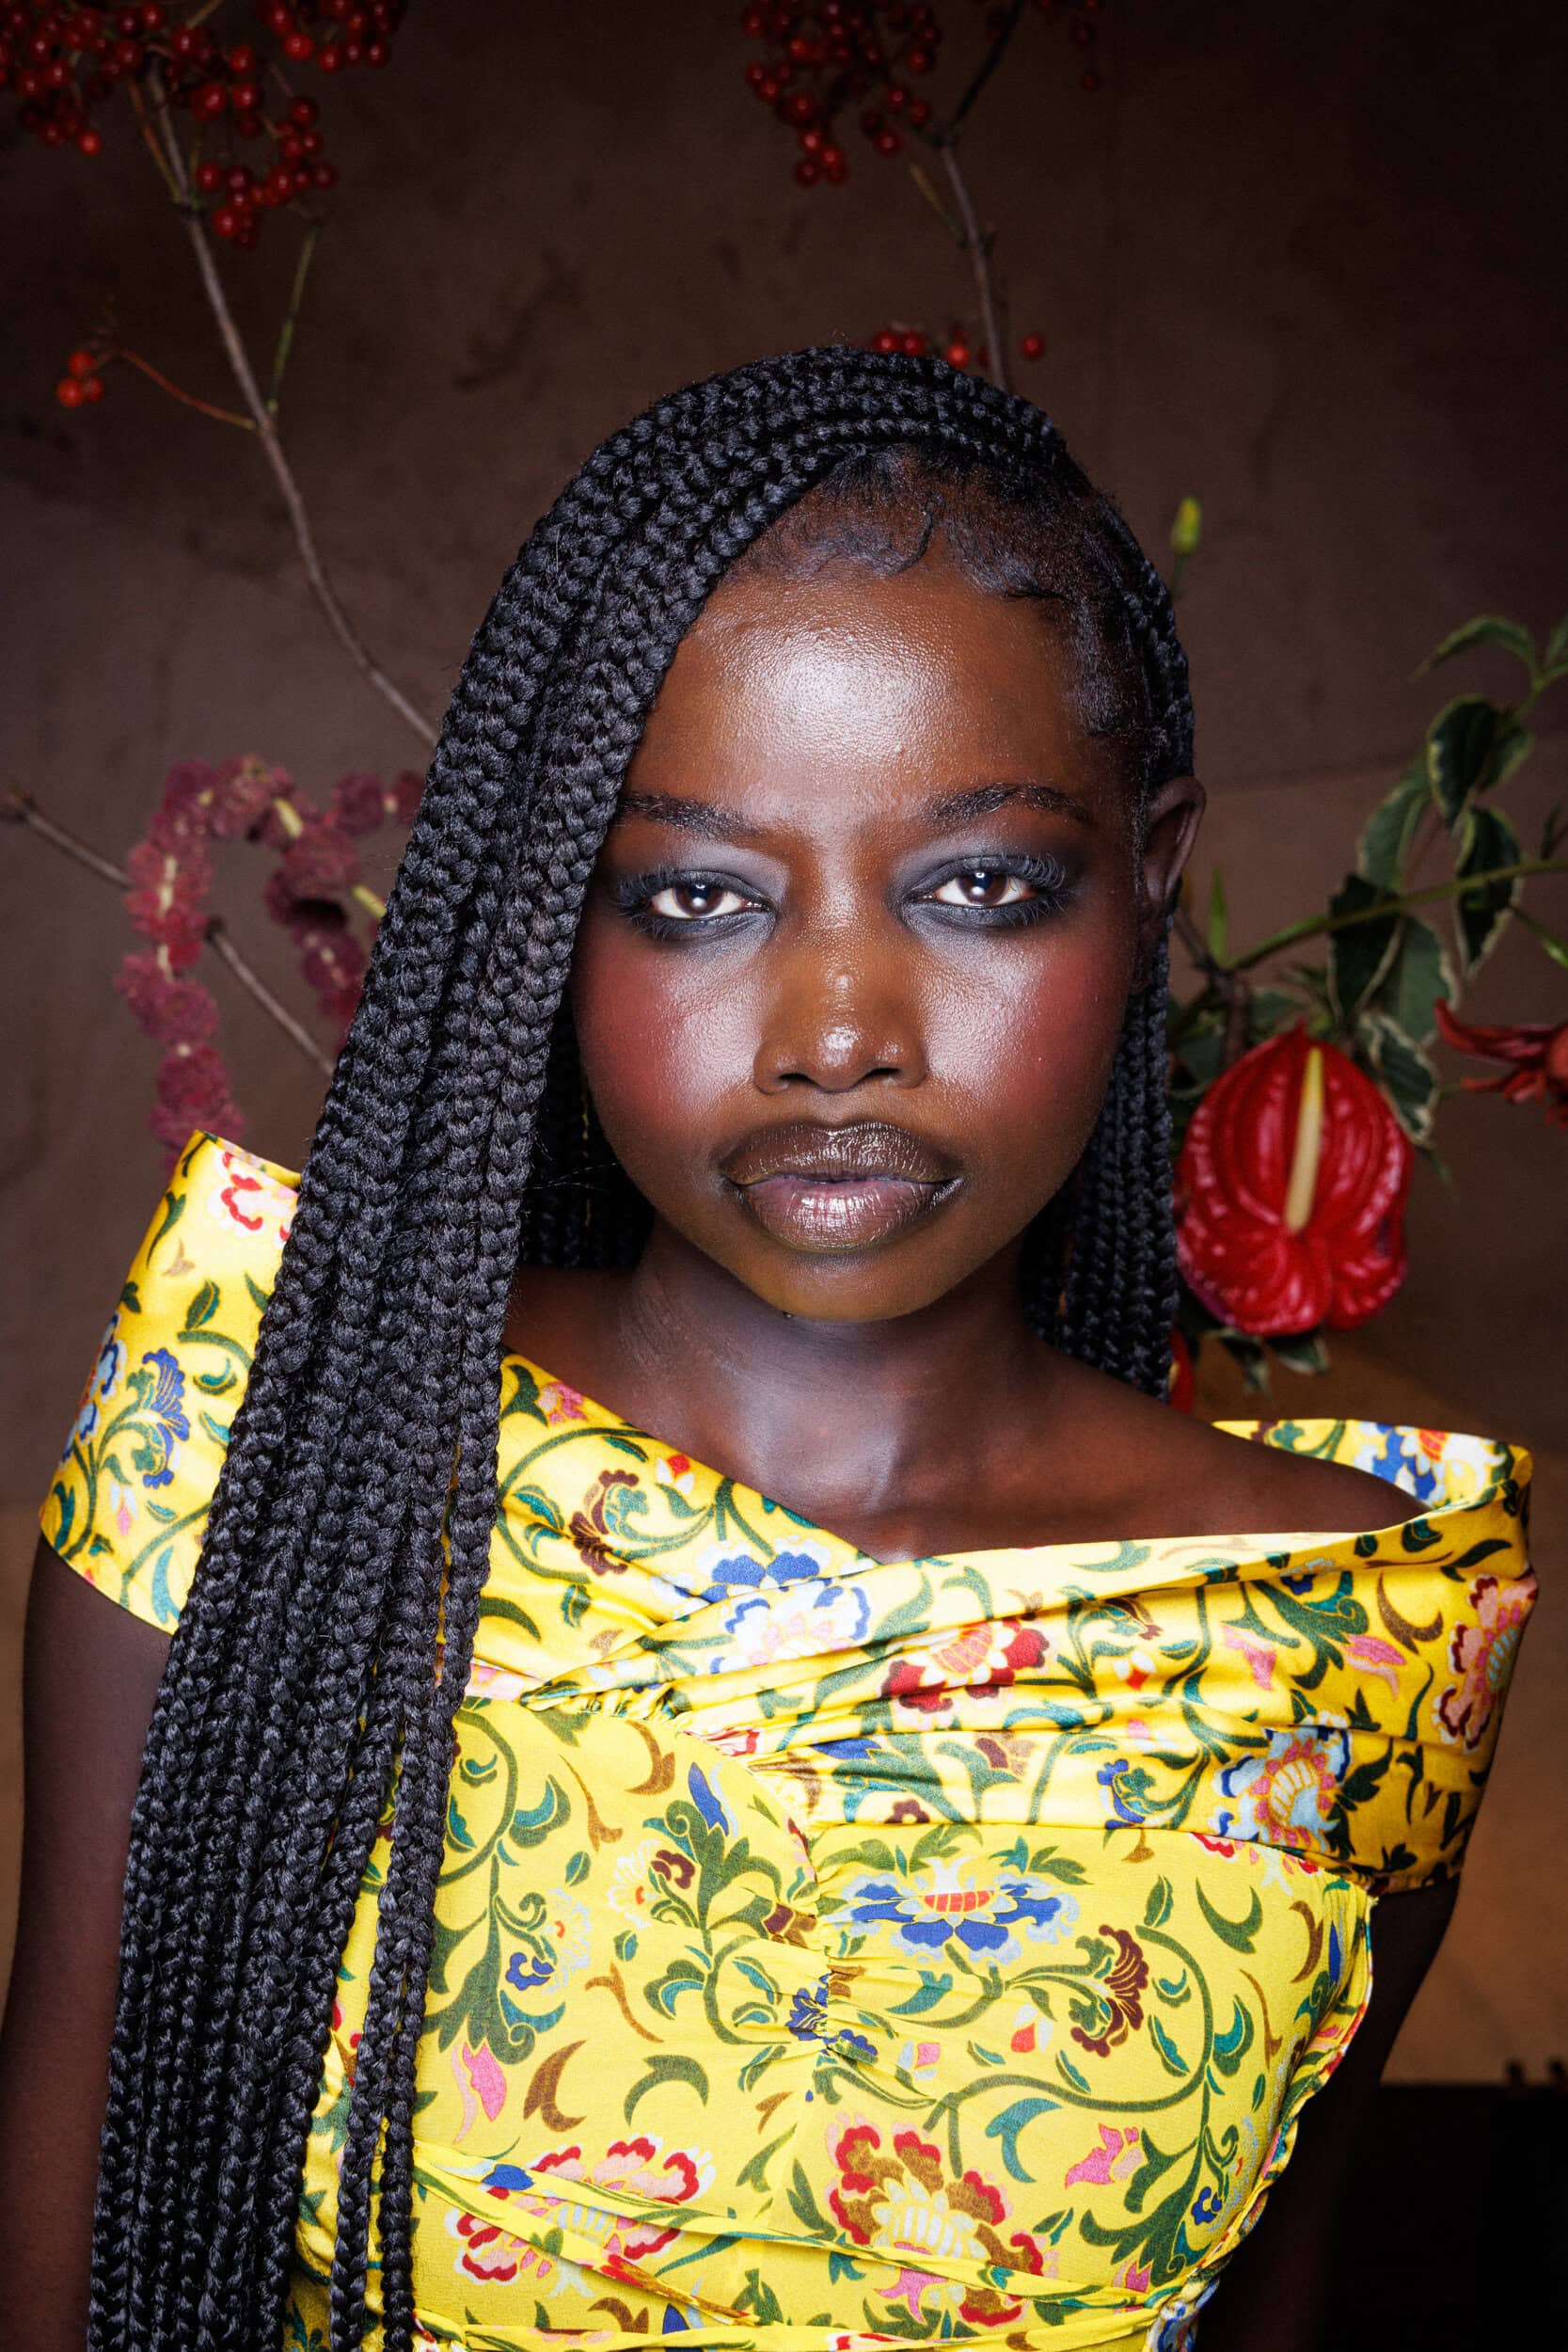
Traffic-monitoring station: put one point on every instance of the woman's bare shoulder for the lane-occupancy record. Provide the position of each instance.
(1183, 1476)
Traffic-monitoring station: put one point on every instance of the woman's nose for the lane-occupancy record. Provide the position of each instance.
(836, 1019)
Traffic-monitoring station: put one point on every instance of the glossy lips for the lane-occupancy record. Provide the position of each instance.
(825, 1189)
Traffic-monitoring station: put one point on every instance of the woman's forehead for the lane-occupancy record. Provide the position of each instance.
(850, 665)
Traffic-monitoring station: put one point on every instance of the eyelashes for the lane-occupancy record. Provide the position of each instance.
(638, 897)
(1000, 890)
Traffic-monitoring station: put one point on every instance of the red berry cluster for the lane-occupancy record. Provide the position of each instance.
(171, 878)
(820, 61)
(957, 349)
(63, 63)
(81, 382)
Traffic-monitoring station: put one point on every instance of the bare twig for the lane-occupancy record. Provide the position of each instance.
(175, 391)
(290, 318)
(986, 67)
(19, 808)
(251, 980)
(266, 428)
(973, 238)
(978, 243)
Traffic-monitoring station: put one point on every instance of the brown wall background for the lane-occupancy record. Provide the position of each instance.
(1304, 263)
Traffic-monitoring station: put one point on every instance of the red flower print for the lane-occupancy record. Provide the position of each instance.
(590, 1528)
(1291, 1192)
(1118, 1999)
(903, 2202)
(1535, 1053)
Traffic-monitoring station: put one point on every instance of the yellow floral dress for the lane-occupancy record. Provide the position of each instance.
(832, 1953)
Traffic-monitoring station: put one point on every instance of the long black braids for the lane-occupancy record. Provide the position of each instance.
(307, 1705)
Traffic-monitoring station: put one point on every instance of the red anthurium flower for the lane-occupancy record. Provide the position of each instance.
(1291, 1192)
(1537, 1050)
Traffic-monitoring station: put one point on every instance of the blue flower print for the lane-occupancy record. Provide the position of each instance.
(705, 1801)
(730, 1569)
(1205, 2206)
(159, 1390)
(986, 1921)
(527, 1971)
(101, 1387)
(809, 2021)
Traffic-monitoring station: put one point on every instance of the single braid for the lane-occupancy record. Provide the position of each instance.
(311, 1687)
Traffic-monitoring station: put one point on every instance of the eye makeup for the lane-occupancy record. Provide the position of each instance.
(1031, 888)
(993, 890)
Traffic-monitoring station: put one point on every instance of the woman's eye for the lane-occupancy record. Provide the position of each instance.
(696, 902)
(981, 886)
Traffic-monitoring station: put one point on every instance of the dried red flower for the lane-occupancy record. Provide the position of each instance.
(1291, 1192)
(176, 1012)
(1536, 1053)
(244, 790)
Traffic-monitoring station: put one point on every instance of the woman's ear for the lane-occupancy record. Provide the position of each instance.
(1170, 827)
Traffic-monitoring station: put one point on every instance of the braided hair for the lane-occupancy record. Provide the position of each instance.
(313, 1679)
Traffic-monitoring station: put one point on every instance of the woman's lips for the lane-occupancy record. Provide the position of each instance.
(824, 1189)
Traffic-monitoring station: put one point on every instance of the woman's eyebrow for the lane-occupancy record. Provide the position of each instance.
(984, 800)
(704, 817)
(718, 823)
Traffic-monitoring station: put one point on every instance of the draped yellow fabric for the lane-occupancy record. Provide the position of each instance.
(832, 1953)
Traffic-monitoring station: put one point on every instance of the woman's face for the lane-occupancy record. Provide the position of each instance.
(856, 953)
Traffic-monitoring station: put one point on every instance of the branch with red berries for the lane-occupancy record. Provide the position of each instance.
(234, 139)
(826, 65)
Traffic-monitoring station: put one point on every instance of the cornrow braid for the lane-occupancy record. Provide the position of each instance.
(309, 1699)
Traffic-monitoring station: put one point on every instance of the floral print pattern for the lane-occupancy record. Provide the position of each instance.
(834, 1952)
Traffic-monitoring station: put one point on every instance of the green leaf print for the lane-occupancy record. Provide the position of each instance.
(667, 2069)
(1240, 1934)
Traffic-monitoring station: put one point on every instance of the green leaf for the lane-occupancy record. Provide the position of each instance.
(1302, 1351)
(1552, 831)
(1251, 1354)
(1487, 629)
(1472, 746)
(1490, 842)
(1238, 1933)
(667, 2069)
(1555, 659)
(1009, 2123)
(1158, 1908)
(1386, 837)
(203, 1307)
(1218, 932)
(1557, 948)
(1418, 974)
(1405, 1076)
(1360, 954)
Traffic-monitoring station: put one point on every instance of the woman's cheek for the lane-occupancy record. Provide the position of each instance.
(658, 1056)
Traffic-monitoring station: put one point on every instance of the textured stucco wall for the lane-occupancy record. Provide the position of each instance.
(1301, 263)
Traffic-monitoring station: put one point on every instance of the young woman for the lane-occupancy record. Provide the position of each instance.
(572, 1897)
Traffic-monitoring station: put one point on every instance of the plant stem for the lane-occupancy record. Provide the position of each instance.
(1317, 925)
(290, 318)
(167, 384)
(986, 67)
(18, 809)
(266, 428)
(975, 240)
(251, 980)
(979, 247)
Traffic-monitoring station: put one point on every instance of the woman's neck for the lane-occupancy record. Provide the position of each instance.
(877, 1430)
